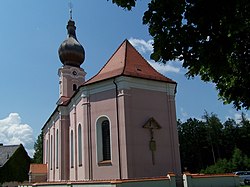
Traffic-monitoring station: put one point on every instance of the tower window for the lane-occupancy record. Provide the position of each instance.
(74, 87)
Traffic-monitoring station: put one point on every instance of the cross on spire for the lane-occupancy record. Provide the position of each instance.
(70, 9)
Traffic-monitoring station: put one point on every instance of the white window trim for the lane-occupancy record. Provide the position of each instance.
(99, 153)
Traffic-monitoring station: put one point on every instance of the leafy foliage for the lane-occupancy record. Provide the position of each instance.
(239, 161)
(208, 142)
(221, 166)
(193, 144)
(212, 38)
(128, 4)
(38, 147)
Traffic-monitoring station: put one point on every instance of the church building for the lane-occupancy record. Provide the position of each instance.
(119, 124)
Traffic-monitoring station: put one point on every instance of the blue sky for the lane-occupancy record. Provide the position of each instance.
(31, 33)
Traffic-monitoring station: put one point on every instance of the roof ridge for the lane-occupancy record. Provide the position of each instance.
(10, 145)
(106, 62)
(125, 56)
(147, 64)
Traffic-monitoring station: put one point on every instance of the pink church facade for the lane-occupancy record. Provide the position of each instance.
(120, 124)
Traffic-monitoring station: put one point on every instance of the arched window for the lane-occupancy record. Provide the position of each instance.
(106, 140)
(80, 144)
(103, 140)
(47, 151)
(57, 142)
(51, 152)
(71, 149)
(74, 87)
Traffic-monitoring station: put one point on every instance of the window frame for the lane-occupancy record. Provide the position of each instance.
(71, 149)
(80, 143)
(57, 148)
(99, 142)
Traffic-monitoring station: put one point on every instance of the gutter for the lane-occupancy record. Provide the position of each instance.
(118, 128)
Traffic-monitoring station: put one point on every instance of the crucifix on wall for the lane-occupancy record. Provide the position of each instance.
(152, 124)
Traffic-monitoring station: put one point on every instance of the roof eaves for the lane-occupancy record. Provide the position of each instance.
(56, 110)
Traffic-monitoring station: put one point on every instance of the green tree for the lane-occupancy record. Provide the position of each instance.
(193, 145)
(38, 147)
(230, 137)
(214, 134)
(238, 161)
(244, 133)
(221, 166)
(212, 147)
(212, 38)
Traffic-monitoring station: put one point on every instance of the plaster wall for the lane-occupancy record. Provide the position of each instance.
(140, 105)
(77, 119)
(127, 110)
(80, 122)
(223, 180)
(68, 79)
(103, 104)
(73, 144)
(57, 151)
(52, 149)
(87, 112)
(64, 147)
(51, 134)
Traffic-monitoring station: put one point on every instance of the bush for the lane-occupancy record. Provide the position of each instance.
(239, 161)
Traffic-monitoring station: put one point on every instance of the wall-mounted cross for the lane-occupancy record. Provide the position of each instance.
(152, 124)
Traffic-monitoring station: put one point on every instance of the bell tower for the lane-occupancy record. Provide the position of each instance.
(72, 55)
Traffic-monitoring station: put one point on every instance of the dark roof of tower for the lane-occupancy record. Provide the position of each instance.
(128, 62)
(71, 52)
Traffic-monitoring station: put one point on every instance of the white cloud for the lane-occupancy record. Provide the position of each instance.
(141, 45)
(165, 68)
(238, 117)
(13, 132)
(184, 113)
(147, 47)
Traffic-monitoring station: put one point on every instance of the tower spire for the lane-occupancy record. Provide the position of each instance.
(71, 52)
(72, 55)
(70, 9)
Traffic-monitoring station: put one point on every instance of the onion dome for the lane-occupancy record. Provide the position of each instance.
(71, 52)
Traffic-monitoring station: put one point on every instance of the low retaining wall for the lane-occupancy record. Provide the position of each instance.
(165, 181)
(189, 180)
(202, 180)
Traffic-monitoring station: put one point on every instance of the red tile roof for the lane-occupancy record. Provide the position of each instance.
(128, 62)
(38, 168)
